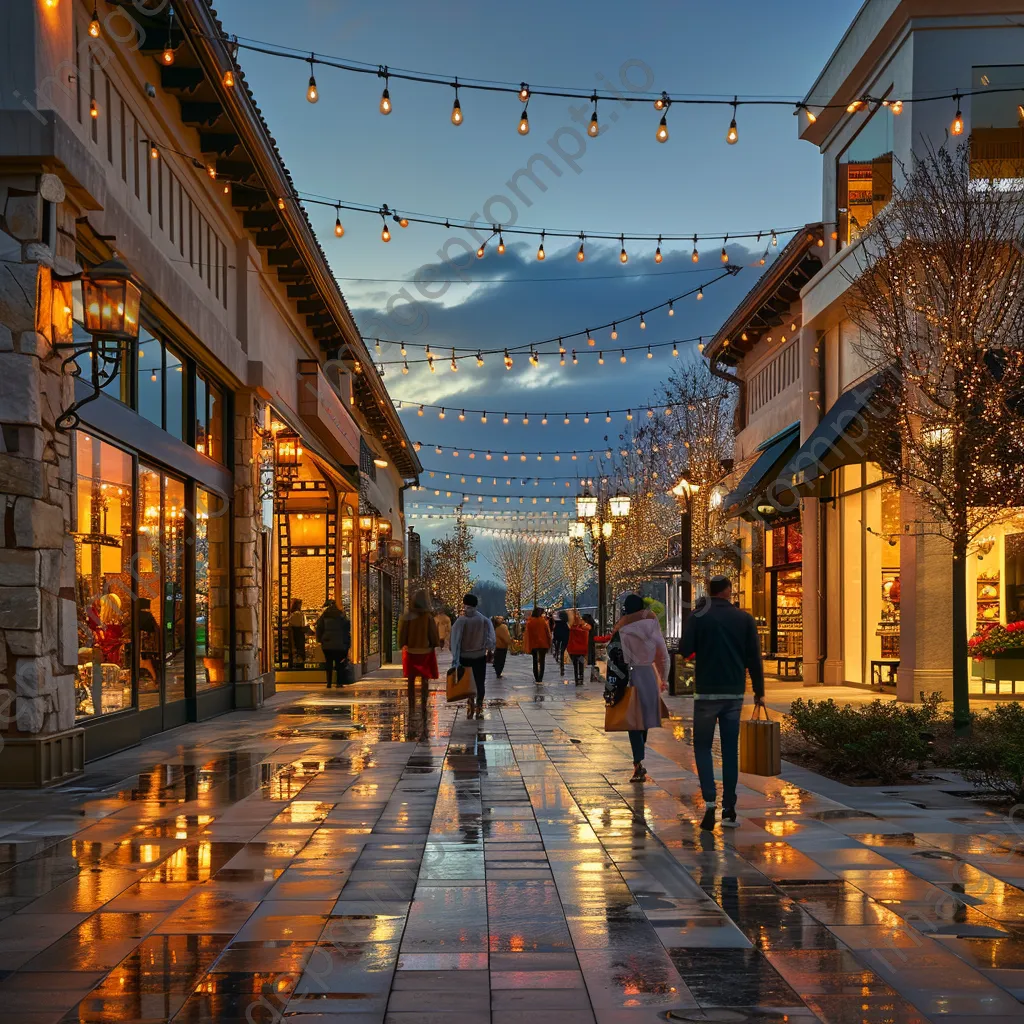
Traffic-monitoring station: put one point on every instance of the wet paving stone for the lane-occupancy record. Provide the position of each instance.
(349, 858)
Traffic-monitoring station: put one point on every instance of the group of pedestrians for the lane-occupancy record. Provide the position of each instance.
(721, 638)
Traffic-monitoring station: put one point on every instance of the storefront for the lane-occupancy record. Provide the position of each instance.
(152, 547)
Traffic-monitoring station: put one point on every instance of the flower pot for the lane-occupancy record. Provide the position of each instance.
(1008, 667)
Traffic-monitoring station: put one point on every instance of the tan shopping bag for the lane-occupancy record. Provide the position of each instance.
(626, 714)
(760, 744)
(459, 684)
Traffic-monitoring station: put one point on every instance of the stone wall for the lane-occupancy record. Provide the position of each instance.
(38, 617)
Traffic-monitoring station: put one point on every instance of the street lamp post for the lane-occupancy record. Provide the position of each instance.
(598, 512)
(683, 492)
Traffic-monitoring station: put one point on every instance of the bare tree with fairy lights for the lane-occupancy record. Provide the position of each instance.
(449, 564)
(938, 300)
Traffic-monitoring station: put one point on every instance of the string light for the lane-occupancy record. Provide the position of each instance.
(385, 96)
(700, 294)
(896, 107)
(623, 257)
(622, 355)
(504, 419)
(524, 92)
(580, 256)
(94, 24)
(229, 79)
(957, 127)
(524, 123)
(732, 135)
(508, 362)
(405, 368)
(94, 111)
(694, 256)
(575, 361)
(662, 133)
(440, 415)
(479, 359)
(643, 323)
(614, 334)
(481, 250)
(657, 252)
(385, 234)
(483, 417)
(501, 245)
(675, 351)
(600, 358)
(671, 308)
(593, 129)
(650, 354)
(339, 231)
(540, 248)
(312, 94)
(456, 106)
(725, 255)
(662, 101)
(853, 107)
(454, 365)
(811, 116)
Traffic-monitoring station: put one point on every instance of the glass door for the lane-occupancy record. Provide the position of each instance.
(160, 580)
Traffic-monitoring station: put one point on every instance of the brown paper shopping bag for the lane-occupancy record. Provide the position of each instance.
(459, 684)
(626, 714)
(760, 744)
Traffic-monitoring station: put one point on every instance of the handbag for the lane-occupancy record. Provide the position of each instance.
(459, 684)
(760, 744)
(663, 708)
(346, 673)
(626, 714)
(617, 672)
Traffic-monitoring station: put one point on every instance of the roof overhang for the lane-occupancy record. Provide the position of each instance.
(766, 306)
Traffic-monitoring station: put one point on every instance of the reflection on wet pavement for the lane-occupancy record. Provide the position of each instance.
(351, 858)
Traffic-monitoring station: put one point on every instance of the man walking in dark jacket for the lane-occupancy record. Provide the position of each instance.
(334, 634)
(724, 640)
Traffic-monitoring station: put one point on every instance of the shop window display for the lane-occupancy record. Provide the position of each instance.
(864, 174)
(103, 578)
(997, 124)
(212, 589)
(785, 543)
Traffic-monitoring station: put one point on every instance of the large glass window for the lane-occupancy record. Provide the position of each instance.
(174, 395)
(864, 174)
(997, 123)
(149, 586)
(213, 591)
(785, 578)
(103, 577)
(149, 375)
(174, 542)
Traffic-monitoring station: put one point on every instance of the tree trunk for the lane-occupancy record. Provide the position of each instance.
(961, 673)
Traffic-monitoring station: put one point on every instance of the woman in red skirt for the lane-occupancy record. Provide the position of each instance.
(418, 637)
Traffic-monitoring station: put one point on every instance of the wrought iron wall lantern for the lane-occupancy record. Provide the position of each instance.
(111, 300)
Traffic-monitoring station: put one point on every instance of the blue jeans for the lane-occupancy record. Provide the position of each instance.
(727, 714)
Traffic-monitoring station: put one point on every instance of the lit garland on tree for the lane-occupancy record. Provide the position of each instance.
(446, 567)
(939, 305)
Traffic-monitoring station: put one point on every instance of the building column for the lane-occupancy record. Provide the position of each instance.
(38, 614)
(810, 416)
(926, 612)
(835, 667)
(251, 575)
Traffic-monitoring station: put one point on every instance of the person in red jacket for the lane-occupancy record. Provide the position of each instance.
(538, 641)
(579, 641)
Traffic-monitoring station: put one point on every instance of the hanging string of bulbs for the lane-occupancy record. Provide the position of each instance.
(662, 102)
(522, 481)
(543, 418)
(390, 215)
(504, 456)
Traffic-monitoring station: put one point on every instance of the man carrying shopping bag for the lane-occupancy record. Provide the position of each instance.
(724, 641)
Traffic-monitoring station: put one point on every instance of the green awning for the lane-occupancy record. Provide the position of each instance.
(763, 474)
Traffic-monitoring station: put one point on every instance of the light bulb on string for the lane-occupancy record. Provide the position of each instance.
(896, 107)
(419, 411)
(600, 359)
(700, 294)
(94, 24)
(590, 338)
(403, 349)
(483, 419)
(462, 416)
(440, 414)
(662, 133)
(643, 323)
(504, 419)
(405, 367)
(671, 308)
(167, 57)
(456, 106)
(433, 369)
(339, 231)
(312, 93)
(732, 135)
(622, 355)
(607, 416)
(403, 222)
(229, 79)
(575, 360)
(662, 101)
(544, 420)
(94, 111)
(650, 354)
(508, 360)
(385, 96)
(524, 93)
(957, 127)
(725, 255)
(454, 365)
(501, 245)
(594, 129)
(540, 248)
(480, 252)
(694, 256)
(675, 350)
(811, 116)
(580, 255)
(479, 358)
(623, 256)
(154, 153)
(385, 234)
(524, 123)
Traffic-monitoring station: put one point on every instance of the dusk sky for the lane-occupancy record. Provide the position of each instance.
(416, 161)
